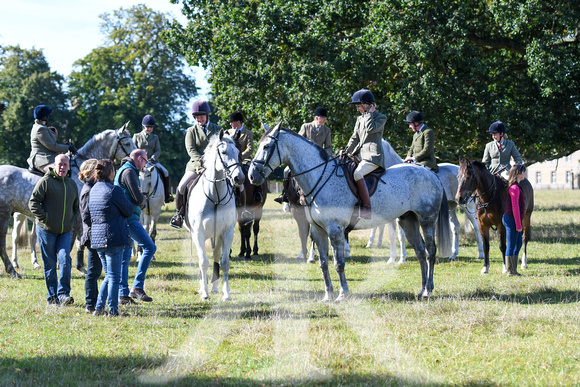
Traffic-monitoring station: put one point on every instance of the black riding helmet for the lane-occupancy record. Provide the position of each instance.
(497, 127)
(362, 96)
(414, 116)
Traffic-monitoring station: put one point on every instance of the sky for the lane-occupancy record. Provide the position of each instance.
(69, 29)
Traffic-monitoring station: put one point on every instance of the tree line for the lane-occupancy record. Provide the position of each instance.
(463, 63)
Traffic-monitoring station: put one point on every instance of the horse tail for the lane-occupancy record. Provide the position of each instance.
(21, 228)
(443, 229)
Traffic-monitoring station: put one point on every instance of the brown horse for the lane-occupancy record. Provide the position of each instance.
(255, 207)
(491, 199)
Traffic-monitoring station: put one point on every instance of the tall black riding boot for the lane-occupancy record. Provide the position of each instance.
(177, 219)
(365, 208)
(167, 188)
(245, 216)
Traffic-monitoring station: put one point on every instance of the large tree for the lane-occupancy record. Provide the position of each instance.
(463, 63)
(132, 74)
(25, 82)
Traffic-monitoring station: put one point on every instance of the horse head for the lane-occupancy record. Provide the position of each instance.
(264, 156)
(466, 181)
(223, 148)
(123, 143)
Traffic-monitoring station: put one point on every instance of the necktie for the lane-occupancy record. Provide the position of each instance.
(499, 145)
(204, 129)
(317, 129)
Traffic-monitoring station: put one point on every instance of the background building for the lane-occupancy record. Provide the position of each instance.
(561, 173)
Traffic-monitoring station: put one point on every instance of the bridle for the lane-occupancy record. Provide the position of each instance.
(119, 144)
(149, 194)
(479, 198)
(227, 178)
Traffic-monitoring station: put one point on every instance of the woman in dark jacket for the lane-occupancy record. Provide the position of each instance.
(94, 266)
(108, 208)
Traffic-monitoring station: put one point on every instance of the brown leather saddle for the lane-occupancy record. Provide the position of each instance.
(35, 171)
(372, 179)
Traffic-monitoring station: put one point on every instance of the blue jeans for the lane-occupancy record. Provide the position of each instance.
(140, 236)
(513, 237)
(55, 248)
(111, 258)
(94, 270)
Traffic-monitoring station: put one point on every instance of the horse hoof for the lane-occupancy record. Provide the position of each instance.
(391, 261)
(311, 260)
(15, 274)
(485, 270)
(341, 297)
(36, 266)
(226, 298)
(204, 297)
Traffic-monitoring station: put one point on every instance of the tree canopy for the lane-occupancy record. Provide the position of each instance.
(132, 74)
(25, 82)
(463, 63)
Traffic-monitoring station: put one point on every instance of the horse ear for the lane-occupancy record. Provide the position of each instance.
(266, 127)
(221, 135)
(126, 126)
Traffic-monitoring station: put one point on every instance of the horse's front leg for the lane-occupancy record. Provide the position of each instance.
(227, 240)
(484, 231)
(392, 229)
(256, 229)
(502, 245)
(338, 245)
(33, 242)
(321, 239)
(199, 240)
(470, 214)
(454, 225)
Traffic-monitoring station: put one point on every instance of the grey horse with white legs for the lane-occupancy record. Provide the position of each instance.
(16, 184)
(408, 192)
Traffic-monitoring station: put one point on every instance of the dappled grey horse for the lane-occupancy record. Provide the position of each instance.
(16, 184)
(408, 192)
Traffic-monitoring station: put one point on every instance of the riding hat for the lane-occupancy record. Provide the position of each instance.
(236, 116)
(497, 127)
(200, 108)
(320, 112)
(362, 96)
(42, 112)
(414, 116)
(148, 120)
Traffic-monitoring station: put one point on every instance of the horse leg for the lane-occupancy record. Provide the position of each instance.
(346, 246)
(18, 237)
(303, 230)
(337, 239)
(33, 241)
(312, 251)
(227, 240)
(256, 229)
(199, 241)
(502, 244)
(372, 237)
(401, 236)
(526, 237)
(391, 228)
(428, 228)
(484, 231)
(380, 238)
(454, 225)
(321, 238)
(247, 246)
(410, 224)
(3, 231)
(469, 210)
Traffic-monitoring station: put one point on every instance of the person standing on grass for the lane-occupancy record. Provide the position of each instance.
(94, 265)
(128, 179)
(55, 205)
(108, 208)
(512, 218)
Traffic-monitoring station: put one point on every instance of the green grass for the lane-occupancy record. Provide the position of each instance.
(475, 330)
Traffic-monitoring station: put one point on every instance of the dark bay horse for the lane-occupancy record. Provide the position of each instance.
(490, 196)
(256, 208)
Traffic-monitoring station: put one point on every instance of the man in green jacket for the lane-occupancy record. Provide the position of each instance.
(422, 150)
(55, 205)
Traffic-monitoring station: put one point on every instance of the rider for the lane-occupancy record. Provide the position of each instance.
(244, 139)
(316, 131)
(366, 142)
(422, 148)
(43, 141)
(196, 140)
(149, 142)
(498, 152)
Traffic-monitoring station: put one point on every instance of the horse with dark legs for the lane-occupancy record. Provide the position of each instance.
(256, 209)
(16, 184)
(421, 204)
(476, 183)
(211, 212)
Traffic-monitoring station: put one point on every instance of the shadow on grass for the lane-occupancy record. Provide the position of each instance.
(132, 370)
(544, 295)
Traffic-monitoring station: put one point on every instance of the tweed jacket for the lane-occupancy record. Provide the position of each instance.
(246, 141)
(108, 208)
(43, 146)
(367, 139)
(423, 148)
(195, 142)
(149, 143)
(322, 138)
(495, 160)
(55, 203)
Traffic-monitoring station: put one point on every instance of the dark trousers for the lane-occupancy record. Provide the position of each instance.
(513, 237)
(94, 270)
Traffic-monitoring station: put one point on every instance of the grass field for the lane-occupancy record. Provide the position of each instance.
(476, 330)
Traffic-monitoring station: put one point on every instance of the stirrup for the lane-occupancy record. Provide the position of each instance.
(176, 221)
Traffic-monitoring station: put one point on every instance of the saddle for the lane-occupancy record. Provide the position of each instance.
(35, 171)
(349, 164)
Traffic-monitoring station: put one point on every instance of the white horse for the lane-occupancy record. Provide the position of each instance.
(212, 210)
(153, 190)
(16, 184)
(448, 176)
(408, 192)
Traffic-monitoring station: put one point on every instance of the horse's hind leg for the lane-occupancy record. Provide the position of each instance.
(256, 229)
(33, 241)
(227, 240)
(392, 229)
(410, 225)
(526, 238)
(337, 239)
(4, 217)
(321, 239)
(454, 225)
